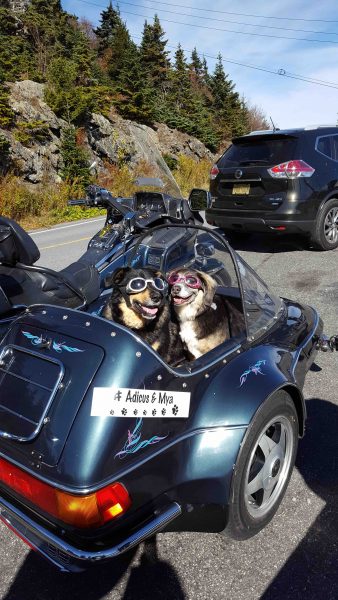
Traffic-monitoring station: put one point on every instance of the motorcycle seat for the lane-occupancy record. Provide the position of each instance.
(25, 283)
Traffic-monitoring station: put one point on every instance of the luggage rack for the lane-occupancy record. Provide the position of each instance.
(28, 384)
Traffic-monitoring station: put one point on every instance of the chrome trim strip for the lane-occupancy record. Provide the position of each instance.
(67, 557)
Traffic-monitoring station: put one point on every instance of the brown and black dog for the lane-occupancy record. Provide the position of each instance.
(205, 318)
(139, 301)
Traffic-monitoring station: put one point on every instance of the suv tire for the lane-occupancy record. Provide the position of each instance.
(325, 233)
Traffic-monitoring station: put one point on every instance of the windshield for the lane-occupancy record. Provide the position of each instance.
(161, 182)
(261, 306)
(265, 150)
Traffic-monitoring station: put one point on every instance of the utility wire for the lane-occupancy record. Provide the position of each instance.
(280, 72)
(224, 20)
(281, 37)
(226, 12)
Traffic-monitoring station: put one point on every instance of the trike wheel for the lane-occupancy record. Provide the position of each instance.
(263, 467)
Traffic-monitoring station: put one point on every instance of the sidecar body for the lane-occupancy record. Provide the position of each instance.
(103, 444)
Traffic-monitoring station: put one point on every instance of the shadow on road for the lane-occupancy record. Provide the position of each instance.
(311, 571)
(266, 243)
(149, 578)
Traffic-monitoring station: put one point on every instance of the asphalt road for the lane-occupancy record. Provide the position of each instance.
(296, 556)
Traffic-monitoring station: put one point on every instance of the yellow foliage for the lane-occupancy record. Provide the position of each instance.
(192, 174)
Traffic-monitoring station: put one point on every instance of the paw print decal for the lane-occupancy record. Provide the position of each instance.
(153, 412)
(175, 410)
(144, 413)
(135, 412)
(124, 411)
(111, 412)
(163, 411)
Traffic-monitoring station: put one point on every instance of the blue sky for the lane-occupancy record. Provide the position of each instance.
(289, 101)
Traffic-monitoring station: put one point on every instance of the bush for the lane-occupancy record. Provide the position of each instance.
(192, 174)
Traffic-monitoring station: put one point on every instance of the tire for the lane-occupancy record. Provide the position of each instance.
(325, 234)
(263, 467)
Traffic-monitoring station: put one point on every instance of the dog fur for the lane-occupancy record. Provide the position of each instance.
(202, 315)
(160, 331)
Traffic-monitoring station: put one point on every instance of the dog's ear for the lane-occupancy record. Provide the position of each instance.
(115, 278)
(209, 285)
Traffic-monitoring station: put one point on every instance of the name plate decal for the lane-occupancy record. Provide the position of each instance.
(129, 402)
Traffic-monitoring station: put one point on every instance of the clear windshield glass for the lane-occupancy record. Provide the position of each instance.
(161, 182)
(261, 307)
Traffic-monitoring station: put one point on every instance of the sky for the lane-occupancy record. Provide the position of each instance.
(270, 36)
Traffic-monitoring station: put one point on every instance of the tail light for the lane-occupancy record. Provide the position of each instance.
(91, 510)
(291, 169)
(214, 172)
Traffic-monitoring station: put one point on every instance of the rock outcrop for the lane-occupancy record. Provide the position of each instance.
(36, 155)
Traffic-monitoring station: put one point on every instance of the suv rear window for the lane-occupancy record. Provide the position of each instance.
(263, 150)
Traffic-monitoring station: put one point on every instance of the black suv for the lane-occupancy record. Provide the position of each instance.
(282, 180)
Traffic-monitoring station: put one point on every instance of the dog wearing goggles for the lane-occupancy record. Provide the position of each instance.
(139, 301)
(202, 315)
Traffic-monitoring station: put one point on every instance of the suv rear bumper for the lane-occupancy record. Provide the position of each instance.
(220, 218)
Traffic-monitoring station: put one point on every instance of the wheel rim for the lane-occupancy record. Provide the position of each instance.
(269, 466)
(331, 225)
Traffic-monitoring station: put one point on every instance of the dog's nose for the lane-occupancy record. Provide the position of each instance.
(176, 288)
(155, 296)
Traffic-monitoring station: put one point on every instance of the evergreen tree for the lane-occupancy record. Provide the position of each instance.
(110, 20)
(6, 113)
(228, 110)
(154, 56)
(75, 160)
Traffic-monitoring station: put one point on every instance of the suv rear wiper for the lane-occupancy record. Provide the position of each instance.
(254, 161)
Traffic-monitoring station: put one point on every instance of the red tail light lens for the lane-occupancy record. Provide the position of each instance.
(91, 510)
(214, 172)
(291, 169)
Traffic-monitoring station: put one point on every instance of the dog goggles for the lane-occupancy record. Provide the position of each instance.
(190, 280)
(139, 284)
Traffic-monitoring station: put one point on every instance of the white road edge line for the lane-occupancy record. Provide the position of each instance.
(66, 226)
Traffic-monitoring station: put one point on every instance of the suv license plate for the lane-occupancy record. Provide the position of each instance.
(241, 190)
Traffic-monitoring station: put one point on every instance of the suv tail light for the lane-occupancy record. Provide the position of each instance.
(91, 510)
(291, 170)
(214, 172)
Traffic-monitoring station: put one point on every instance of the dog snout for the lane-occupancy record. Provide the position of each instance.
(155, 296)
(176, 288)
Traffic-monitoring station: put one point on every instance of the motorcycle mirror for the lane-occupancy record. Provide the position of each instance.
(199, 199)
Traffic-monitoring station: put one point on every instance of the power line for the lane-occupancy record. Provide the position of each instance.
(226, 12)
(279, 72)
(266, 35)
(224, 20)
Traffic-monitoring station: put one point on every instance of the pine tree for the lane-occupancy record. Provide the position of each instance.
(75, 160)
(154, 56)
(6, 113)
(227, 107)
(110, 20)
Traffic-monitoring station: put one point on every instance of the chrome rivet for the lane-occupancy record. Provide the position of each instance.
(138, 354)
(159, 377)
(113, 334)
(238, 351)
(44, 312)
(184, 385)
(37, 466)
(224, 361)
(65, 317)
(206, 375)
(46, 420)
(61, 386)
(87, 324)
